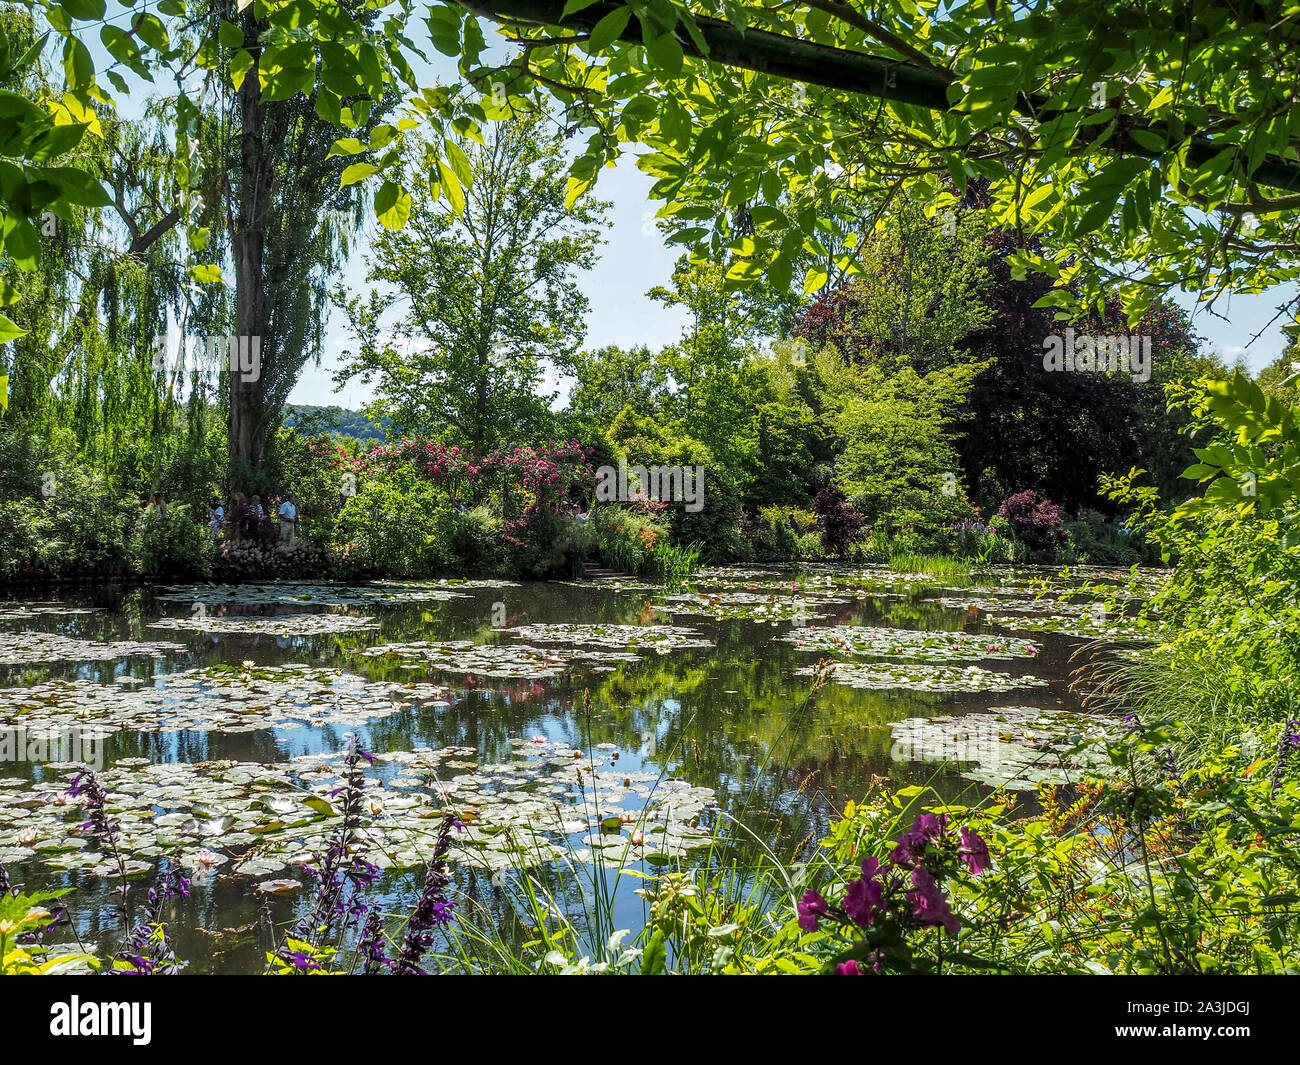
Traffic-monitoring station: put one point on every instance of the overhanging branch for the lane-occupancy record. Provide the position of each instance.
(858, 73)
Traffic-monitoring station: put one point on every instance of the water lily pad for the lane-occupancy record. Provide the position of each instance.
(212, 699)
(771, 607)
(30, 648)
(661, 639)
(292, 594)
(12, 611)
(924, 678)
(1016, 747)
(272, 624)
(489, 660)
(922, 646)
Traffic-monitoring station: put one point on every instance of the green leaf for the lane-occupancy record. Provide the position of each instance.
(345, 146)
(452, 186)
(357, 172)
(1094, 216)
(607, 30)
(78, 67)
(444, 30)
(814, 279)
(230, 35)
(655, 958)
(459, 163)
(240, 64)
(1151, 141)
(665, 53)
(150, 29)
(84, 10)
(76, 186)
(9, 331)
(206, 273)
(392, 205)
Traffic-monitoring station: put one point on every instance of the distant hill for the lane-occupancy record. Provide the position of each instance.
(336, 421)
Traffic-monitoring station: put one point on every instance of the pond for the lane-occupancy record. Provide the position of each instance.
(566, 723)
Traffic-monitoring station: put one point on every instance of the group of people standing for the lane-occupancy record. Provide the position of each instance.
(249, 518)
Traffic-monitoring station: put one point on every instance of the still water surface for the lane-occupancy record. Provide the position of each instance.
(734, 717)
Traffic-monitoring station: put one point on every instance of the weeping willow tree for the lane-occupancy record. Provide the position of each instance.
(262, 197)
(106, 282)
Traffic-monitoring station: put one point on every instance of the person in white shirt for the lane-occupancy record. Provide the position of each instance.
(288, 519)
(216, 515)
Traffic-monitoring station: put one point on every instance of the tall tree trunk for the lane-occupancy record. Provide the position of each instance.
(247, 424)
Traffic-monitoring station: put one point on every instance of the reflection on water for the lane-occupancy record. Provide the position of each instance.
(733, 717)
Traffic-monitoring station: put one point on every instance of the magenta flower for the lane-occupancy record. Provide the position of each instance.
(848, 968)
(974, 852)
(929, 904)
(862, 898)
(812, 908)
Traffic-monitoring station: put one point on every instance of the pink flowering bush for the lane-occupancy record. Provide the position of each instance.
(544, 474)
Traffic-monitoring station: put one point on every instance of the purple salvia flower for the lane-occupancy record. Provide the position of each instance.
(432, 909)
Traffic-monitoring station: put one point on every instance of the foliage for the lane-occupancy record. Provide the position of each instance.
(489, 291)
(838, 523)
(1033, 518)
(915, 297)
(175, 545)
(898, 462)
(475, 541)
(1055, 891)
(56, 517)
(398, 524)
(624, 540)
(544, 542)
(1094, 540)
(673, 564)
(22, 917)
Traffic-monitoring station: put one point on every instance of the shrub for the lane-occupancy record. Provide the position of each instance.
(769, 536)
(873, 549)
(1099, 542)
(809, 545)
(24, 539)
(58, 517)
(543, 543)
(475, 542)
(838, 523)
(622, 539)
(1035, 519)
(398, 524)
(175, 546)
